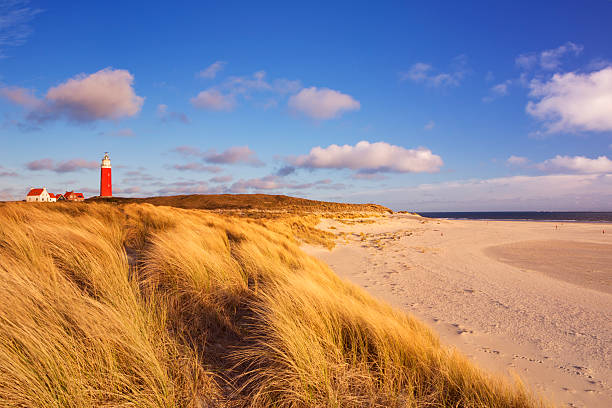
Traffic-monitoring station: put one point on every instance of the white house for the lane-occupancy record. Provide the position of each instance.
(38, 195)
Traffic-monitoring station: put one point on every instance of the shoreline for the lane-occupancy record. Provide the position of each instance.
(552, 333)
(520, 220)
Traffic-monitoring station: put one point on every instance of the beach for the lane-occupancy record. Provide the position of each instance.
(533, 299)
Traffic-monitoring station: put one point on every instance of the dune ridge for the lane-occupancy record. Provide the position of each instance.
(137, 305)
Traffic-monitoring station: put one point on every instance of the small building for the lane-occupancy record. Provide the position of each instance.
(72, 196)
(52, 198)
(60, 197)
(38, 195)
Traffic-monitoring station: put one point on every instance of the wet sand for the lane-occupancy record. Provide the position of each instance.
(584, 264)
(517, 297)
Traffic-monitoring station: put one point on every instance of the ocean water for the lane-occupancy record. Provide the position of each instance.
(524, 216)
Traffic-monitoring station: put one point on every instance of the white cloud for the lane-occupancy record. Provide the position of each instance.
(211, 71)
(548, 59)
(424, 73)
(429, 125)
(106, 94)
(211, 99)
(517, 160)
(371, 158)
(573, 101)
(577, 164)
(322, 103)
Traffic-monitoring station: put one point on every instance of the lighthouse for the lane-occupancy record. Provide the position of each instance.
(106, 184)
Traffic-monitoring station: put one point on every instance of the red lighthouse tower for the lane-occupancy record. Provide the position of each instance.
(106, 184)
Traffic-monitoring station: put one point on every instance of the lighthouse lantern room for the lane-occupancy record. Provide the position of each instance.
(106, 185)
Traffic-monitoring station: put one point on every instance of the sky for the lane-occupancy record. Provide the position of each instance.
(420, 106)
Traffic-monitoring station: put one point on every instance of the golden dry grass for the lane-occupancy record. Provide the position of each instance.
(142, 306)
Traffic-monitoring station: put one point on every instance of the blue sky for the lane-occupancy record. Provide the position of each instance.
(428, 106)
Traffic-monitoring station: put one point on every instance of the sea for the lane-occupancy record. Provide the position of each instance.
(524, 216)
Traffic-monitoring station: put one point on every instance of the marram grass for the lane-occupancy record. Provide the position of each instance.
(133, 305)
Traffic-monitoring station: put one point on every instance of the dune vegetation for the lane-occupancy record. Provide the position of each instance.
(135, 305)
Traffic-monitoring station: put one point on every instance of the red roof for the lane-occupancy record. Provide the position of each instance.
(80, 195)
(52, 195)
(35, 192)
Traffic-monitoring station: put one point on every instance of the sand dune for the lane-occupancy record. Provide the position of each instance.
(530, 297)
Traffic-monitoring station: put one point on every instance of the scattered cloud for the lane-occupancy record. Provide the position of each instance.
(368, 157)
(573, 102)
(106, 94)
(517, 160)
(285, 171)
(15, 18)
(424, 73)
(274, 182)
(168, 116)
(225, 96)
(548, 60)
(322, 103)
(212, 99)
(554, 192)
(126, 190)
(577, 164)
(258, 83)
(429, 125)
(369, 176)
(233, 155)
(221, 179)
(63, 166)
(4, 172)
(498, 90)
(526, 61)
(20, 96)
(199, 167)
(137, 176)
(211, 71)
(501, 89)
(185, 187)
(551, 59)
(126, 132)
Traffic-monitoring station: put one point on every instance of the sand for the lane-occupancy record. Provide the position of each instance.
(529, 298)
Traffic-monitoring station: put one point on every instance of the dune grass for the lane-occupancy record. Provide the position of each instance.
(141, 306)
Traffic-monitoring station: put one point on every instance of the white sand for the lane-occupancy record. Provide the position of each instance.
(522, 297)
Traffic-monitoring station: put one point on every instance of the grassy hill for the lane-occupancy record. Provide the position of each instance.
(248, 202)
(135, 305)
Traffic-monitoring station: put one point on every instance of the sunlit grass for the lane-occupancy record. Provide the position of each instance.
(136, 305)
